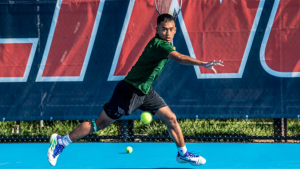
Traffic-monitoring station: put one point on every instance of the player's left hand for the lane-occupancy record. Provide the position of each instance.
(210, 65)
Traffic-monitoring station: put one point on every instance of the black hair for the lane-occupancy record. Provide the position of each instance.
(165, 18)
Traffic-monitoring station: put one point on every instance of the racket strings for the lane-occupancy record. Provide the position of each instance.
(163, 6)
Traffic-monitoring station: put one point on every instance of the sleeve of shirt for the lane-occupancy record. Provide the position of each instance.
(165, 49)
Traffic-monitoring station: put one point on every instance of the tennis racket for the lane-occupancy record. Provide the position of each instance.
(172, 7)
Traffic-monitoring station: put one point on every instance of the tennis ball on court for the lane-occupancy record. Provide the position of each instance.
(129, 149)
(146, 117)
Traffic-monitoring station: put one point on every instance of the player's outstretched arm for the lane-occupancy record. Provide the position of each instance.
(187, 60)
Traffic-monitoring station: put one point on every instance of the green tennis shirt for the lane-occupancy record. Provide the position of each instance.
(150, 64)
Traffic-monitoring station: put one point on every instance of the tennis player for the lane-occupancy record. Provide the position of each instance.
(136, 92)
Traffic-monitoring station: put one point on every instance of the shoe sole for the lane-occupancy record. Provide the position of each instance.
(183, 162)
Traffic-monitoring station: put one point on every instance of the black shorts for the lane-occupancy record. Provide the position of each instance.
(126, 99)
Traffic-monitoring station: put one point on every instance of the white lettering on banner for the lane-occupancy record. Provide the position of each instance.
(111, 76)
(58, 62)
(283, 61)
(128, 45)
(67, 53)
(192, 45)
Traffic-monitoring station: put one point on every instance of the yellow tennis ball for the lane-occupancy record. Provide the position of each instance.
(129, 149)
(146, 117)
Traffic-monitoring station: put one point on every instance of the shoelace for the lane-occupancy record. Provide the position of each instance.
(189, 154)
(59, 150)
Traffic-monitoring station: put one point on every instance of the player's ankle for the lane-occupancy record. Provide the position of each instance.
(65, 140)
(182, 150)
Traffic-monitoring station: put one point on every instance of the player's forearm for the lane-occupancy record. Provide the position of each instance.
(187, 60)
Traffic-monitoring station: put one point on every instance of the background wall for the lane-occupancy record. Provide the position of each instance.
(62, 59)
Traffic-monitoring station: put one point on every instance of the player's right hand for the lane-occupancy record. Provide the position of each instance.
(210, 65)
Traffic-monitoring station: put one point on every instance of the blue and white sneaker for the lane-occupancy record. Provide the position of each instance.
(190, 158)
(55, 148)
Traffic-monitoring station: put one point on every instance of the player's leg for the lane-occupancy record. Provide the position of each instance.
(58, 143)
(154, 103)
(169, 118)
(122, 102)
(86, 128)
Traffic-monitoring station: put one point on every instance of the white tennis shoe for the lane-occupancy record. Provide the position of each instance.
(55, 148)
(191, 158)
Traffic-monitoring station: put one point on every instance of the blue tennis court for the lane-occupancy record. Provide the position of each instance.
(152, 155)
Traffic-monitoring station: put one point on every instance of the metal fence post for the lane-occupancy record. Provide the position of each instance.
(280, 128)
(126, 129)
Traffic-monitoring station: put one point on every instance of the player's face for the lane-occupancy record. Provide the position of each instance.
(166, 30)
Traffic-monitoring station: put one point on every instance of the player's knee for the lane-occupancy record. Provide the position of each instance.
(172, 120)
(101, 124)
(98, 125)
(102, 121)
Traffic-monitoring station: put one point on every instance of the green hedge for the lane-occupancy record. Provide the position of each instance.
(190, 127)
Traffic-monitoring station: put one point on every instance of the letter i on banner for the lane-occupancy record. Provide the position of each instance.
(70, 40)
(214, 30)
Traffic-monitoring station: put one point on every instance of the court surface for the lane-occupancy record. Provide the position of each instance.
(152, 155)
